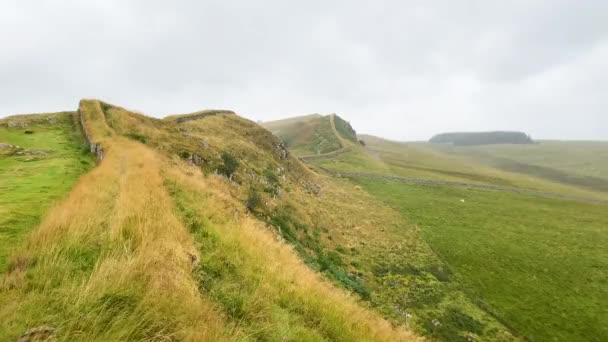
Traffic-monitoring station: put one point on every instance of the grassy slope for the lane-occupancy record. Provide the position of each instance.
(386, 258)
(505, 272)
(147, 247)
(535, 263)
(538, 264)
(578, 163)
(307, 135)
(30, 184)
(424, 161)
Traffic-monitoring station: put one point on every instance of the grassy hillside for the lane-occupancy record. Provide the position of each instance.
(179, 234)
(36, 169)
(313, 134)
(477, 261)
(427, 161)
(578, 163)
(538, 264)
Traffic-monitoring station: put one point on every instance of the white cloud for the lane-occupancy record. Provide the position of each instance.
(400, 69)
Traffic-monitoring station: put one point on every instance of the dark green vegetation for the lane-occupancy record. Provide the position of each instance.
(537, 264)
(50, 156)
(482, 138)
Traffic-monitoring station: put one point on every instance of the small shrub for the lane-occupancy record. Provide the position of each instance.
(184, 154)
(29, 132)
(254, 200)
(229, 166)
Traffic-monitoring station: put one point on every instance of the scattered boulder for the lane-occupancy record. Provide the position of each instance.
(17, 124)
(312, 188)
(37, 334)
(282, 151)
(197, 160)
(9, 149)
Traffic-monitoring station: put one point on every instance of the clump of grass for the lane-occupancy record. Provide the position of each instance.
(139, 137)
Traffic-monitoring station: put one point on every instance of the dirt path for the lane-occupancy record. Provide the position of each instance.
(343, 142)
(423, 181)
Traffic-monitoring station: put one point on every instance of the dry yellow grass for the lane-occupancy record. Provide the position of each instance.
(115, 261)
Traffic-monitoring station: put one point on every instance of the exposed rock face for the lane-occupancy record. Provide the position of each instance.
(282, 151)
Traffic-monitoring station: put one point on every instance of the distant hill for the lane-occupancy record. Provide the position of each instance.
(482, 138)
(313, 134)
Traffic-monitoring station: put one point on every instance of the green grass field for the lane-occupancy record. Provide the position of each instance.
(29, 184)
(537, 264)
(577, 163)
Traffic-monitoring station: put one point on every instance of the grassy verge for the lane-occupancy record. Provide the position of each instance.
(537, 264)
(30, 183)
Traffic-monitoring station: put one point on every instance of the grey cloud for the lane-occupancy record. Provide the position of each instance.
(399, 69)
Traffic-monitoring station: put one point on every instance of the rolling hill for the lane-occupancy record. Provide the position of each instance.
(194, 228)
(524, 248)
(313, 135)
(207, 227)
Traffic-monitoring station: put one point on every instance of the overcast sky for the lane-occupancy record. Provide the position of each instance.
(403, 70)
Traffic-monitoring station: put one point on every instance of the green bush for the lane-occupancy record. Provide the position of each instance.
(229, 165)
(254, 200)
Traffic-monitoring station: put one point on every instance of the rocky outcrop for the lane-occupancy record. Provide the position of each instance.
(41, 333)
(282, 151)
